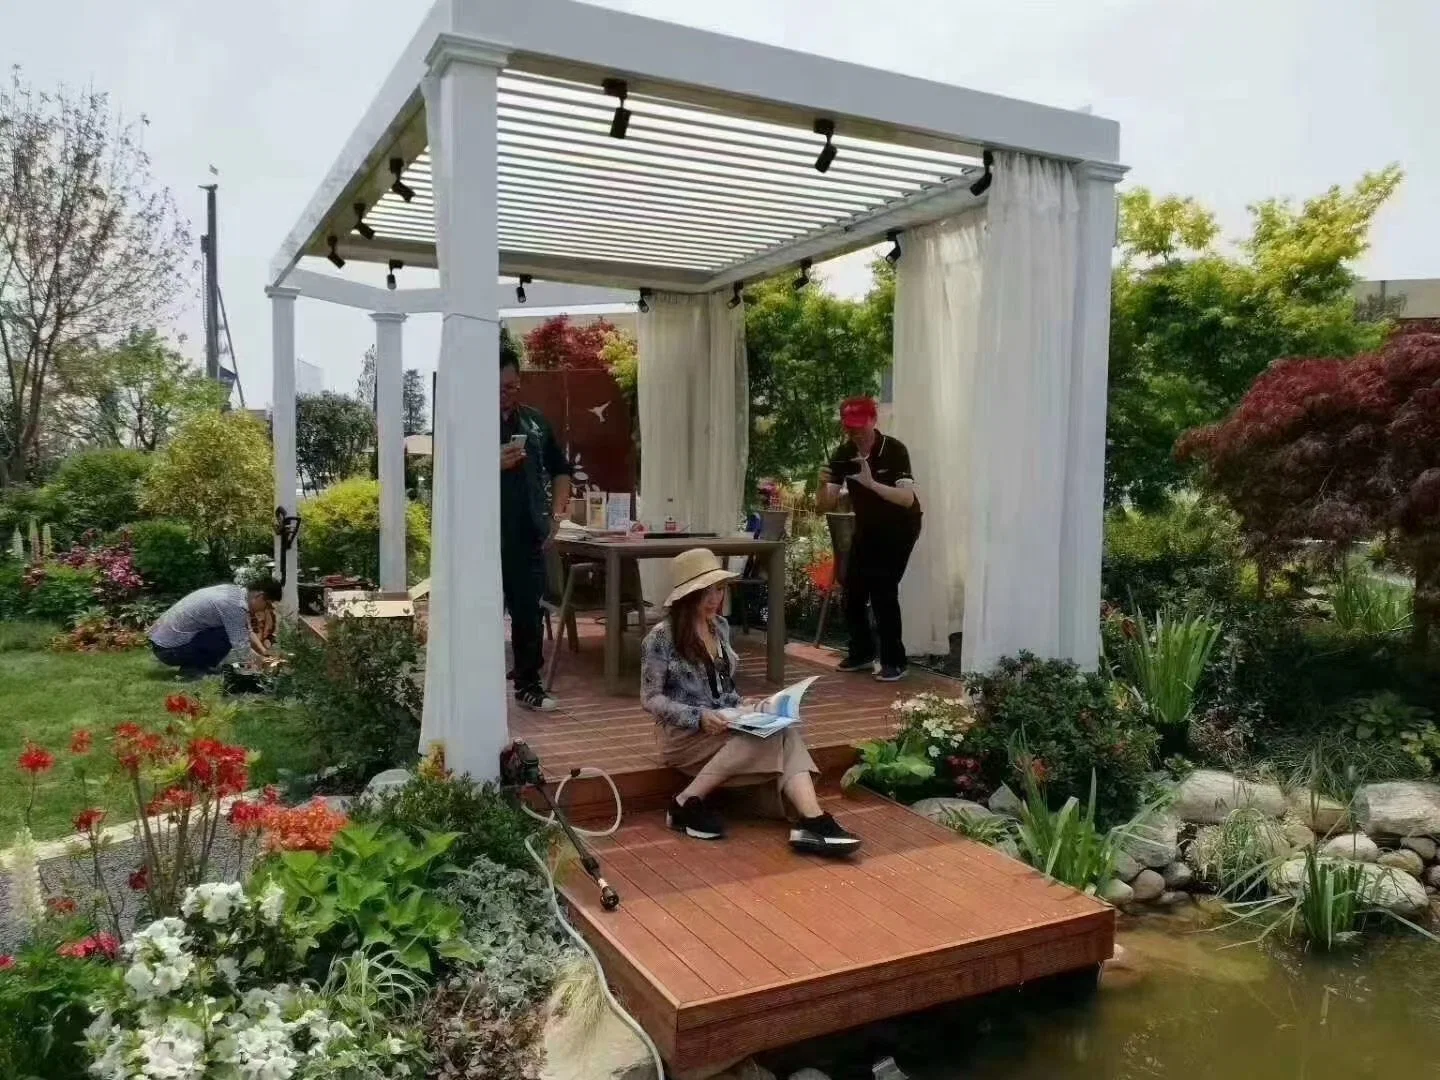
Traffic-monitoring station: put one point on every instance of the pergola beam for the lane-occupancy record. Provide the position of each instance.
(539, 294)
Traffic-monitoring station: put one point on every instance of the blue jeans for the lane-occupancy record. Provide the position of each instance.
(203, 652)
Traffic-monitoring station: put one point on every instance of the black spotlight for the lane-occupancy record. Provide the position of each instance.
(644, 300)
(893, 255)
(525, 279)
(364, 230)
(395, 264)
(399, 187)
(334, 256)
(979, 187)
(804, 278)
(620, 122)
(829, 150)
(735, 297)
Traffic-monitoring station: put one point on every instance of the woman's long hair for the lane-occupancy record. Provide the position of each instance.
(684, 617)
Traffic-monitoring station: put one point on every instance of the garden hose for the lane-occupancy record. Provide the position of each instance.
(544, 864)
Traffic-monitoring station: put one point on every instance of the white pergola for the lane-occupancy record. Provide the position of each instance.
(554, 141)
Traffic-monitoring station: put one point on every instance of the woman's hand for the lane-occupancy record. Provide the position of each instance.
(712, 723)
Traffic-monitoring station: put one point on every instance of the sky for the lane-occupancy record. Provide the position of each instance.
(1230, 101)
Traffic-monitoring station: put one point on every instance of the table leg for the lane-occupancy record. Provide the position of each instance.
(775, 627)
(613, 625)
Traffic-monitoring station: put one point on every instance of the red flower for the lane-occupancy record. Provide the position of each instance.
(128, 730)
(102, 944)
(247, 817)
(60, 905)
(80, 742)
(87, 820)
(271, 794)
(173, 800)
(214, 765)
(140, 879)
(6, 963)
(1039, 770)
(183, 705)
(36, 759)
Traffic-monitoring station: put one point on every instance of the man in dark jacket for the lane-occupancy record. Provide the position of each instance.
(530, 461)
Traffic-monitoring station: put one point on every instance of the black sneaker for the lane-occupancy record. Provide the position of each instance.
(695, 820)
(535, 699)
(823, 835)
(851, 663)
(889, 673)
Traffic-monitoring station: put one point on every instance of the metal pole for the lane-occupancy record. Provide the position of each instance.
(210, 245)
(230, 347)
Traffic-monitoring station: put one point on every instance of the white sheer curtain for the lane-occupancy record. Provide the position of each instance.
(1021, 420)
(694, 418)
(937, 318)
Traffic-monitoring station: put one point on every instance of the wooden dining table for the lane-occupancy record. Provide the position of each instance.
(613, 552)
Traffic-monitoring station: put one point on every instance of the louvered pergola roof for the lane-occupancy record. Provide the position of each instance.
(715, 179)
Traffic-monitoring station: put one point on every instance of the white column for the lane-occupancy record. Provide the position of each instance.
(390, 446)
(465, 692)
(1083, 524)
(282, 424)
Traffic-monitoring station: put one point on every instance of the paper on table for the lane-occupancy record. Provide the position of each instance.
(775, 713)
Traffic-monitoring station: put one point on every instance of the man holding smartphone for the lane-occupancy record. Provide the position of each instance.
(530, 460)
(874, 470)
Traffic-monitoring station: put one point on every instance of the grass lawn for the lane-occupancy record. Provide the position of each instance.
(46, 696)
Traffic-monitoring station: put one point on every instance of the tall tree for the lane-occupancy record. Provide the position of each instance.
(365, 385)
(332, 434)
(558, 343)
(1191, 327)
(415, 402)
(90, 247)
(134, 393)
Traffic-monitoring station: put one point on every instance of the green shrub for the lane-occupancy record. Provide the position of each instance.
(99, 489)
(1164, 661)
(1189, 550)
(12, 584)
(1388, 719)
(360, 693)
(893, 767)
(488, 825)
(1074, 724)
(62, 594)
(1365, 604)
(45, 1009)
(1066, 845)
(340, 531)
(168, 558)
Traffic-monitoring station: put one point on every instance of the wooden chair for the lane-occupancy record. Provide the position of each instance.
(563, 613)
(842, 536)
(774, 524)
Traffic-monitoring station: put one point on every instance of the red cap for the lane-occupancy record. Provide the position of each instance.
(857, 412)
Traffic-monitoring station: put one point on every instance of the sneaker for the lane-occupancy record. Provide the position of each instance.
(823, 835)
(850, 664)
(695, 820)
(890, 673)
(535, 699)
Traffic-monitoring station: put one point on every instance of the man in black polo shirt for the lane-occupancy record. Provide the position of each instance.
(529, 518)
(874, 469)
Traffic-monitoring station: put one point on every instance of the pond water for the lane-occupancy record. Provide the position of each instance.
(1178, 1003)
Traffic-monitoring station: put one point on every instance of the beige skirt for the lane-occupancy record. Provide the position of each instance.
(738, 760)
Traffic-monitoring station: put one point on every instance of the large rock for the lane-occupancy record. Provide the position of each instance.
(938, 810)
(1399, 808)
(1153, 842)
(1357, 847)
(1432, 877)
(1148, 885)
(1126, 868)
(1322, 815)
(1297, 833)
(388, 780)
(1404, 860)
(1177, 875)
(1207, 796)
(1384, 886)
(606, 1050)
(1422, 846)
(1005, 802)
(1116, 893)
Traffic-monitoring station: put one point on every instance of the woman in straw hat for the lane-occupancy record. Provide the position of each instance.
(687, 677)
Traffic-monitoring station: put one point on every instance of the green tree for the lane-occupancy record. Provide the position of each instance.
(807, 350)
(415, 402)
(332, 434)
(1191, 328)
(99, 489)
(215, 475)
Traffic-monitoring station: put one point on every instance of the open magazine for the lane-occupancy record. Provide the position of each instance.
(775, 713)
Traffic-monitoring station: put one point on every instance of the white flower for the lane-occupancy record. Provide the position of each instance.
(175, 1052)
(272, 904)
(395, 1046)
(215, 901)
(25, 877)
(933, 750)
(229, 969)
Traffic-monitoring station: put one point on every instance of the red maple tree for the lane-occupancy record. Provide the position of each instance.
(1338, 451)
(558, 344)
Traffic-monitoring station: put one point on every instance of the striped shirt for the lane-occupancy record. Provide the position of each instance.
(224, 606)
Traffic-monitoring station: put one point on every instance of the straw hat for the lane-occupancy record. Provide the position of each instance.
(693, 570)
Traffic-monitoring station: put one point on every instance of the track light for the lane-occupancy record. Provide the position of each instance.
(735, 297)
(620, 122)
(829, 150)
(804, 278)
(893, 255)
(399, 187)
(364, 230)
(979, 187)
(334, 256)
(525, 279)
(645, 295)
(395, 264)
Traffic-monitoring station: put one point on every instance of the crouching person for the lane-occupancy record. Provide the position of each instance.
(200, 631)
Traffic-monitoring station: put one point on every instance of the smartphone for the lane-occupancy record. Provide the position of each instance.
(517, 442)
(843, 470)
